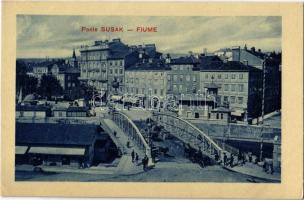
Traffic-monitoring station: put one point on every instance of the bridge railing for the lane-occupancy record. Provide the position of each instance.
(128, 127)
(190, 134)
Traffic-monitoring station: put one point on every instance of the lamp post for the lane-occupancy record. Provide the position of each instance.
(206, 101)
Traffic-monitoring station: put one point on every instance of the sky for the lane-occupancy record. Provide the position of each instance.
(56, 36)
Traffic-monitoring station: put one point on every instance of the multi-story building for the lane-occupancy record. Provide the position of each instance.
(270, 64)
(103, 64)
(68, 79)
(148, 82)
(183, 77)
(237, 86)
(94, 63)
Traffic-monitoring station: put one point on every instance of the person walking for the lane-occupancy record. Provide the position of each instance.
(225, 159)
(133, 155)
(231, 160)
(136, 158)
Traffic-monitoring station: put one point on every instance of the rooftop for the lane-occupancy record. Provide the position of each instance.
(184, 60)
(226, 66)
(32, 108)
(155, 65)
(56, 134)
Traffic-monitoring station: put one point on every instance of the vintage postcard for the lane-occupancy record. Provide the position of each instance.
(185, 103)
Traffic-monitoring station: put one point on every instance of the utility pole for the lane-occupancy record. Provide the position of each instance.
(263, 108)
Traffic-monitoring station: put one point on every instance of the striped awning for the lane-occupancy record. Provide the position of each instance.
(237, 113)
(20, 150)
(116, 98)
(57, 151)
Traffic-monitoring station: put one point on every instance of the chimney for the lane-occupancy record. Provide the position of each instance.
(236, 53)
(168, 58)
(205, 51)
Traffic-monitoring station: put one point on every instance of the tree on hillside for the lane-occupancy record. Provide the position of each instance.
(27, 83)
(49, 86)
(87, 91)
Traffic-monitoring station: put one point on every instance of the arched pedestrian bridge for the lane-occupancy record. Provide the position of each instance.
(189, 134)
(133, 133)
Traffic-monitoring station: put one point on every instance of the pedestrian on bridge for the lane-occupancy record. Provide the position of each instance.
(225, 159)
(145, 161)
(231, 160)
(133, 155)
(136, 158)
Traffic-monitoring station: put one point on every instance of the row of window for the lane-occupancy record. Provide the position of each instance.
(182, 67)
(116, 71)
(154, 91)
(93, 57)
(180, 88)
(225, 76)
(149, 81)
(233, 87)
(232, 99)
(71, 84)
(181, 78)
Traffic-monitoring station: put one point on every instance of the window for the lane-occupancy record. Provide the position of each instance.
(120, 63)
(110, 63)
(136, 90)
(116, 71)
(161, 92)
(111, 71)
(143, 90)
(120, 71)
(241, 87)
(188, 77)
(232, 87)
(219, 87)
(155, 91)
(219, 76)
(233, 76)
(240, 76)
(169, 77)
(180, 88)
(175, 77)
(174, 88)
(240, 100)
(194, 79)
(181, 78)
(225, 99)
(226, 76)
(206, 76)
(232, 99)
(226, 87)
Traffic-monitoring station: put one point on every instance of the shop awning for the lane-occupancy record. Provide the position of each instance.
(116, 97)
(20, 150)
(130, 99)
(237, 113)
(140, 95)
(57, 151)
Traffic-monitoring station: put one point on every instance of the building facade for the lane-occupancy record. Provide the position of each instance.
(102, 65)
(183, 77)
(238, 87)
(148, 82)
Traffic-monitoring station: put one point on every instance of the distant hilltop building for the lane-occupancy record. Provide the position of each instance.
(67, 73)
